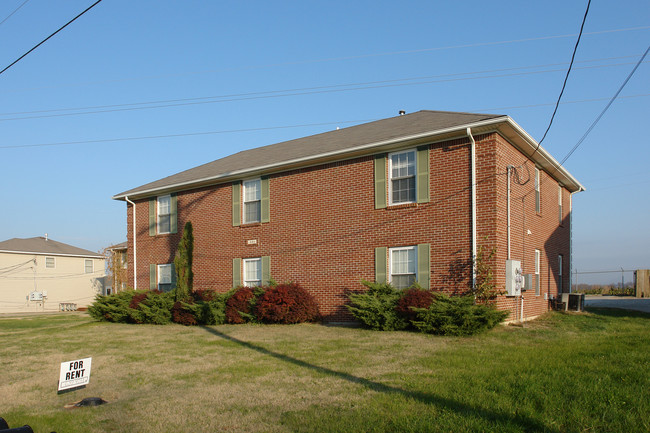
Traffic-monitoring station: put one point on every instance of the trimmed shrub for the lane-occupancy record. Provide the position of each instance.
(239, 306)
(286, 303)
(112, 308)
(156, 308)
(376, 307)
(205, 295)
(413, 297)
(457, 315)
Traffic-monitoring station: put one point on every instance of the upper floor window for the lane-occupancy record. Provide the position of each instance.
(49, 262)
(253, 272)
(402, 171)
(252, 201)
(88, 266)
(164, 214)
(538, 199)
(403, 266)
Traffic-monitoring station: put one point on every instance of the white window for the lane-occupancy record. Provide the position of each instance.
(402, 177)
(538, 204)
(165, 277)
(252, 195)
(559, 202)
(538, 256)
(88, 266)
(403, 266)
(49, 262)
(253, 272)
(164, 214)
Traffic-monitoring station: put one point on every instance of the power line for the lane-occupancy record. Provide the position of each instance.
(566, 78)
(14, 11)
(333, 59)
(606, 107)
(44, 40)
(54, 110)
(339, 88)
(230, 131)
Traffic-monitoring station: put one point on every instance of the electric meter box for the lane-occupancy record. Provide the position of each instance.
(514, 278)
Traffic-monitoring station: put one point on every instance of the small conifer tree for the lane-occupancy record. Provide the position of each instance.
(183, 264)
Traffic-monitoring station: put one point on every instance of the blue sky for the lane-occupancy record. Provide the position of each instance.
(213, 78)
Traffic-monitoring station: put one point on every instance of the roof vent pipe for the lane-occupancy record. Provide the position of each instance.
(402, 112)
(45, 237)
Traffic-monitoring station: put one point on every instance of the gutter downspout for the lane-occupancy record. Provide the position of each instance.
(510, 167)
(473, 186)
(135, 256)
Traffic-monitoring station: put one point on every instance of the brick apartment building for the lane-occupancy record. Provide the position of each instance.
(386, 200)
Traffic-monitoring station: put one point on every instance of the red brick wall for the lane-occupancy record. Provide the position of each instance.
(324, 227)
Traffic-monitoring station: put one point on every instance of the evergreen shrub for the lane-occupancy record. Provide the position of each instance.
(286, 303)
(457, 315)
(376, 307)
(184, 313)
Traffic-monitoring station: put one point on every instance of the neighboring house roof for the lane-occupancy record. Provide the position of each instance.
(367, 138)
(118, 247)
(44, 246)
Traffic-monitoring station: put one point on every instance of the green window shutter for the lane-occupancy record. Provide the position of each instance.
(380, 181)
(173, 276)
(236, 203)
(265, 202)
(381, 265)
(236, 272)
(424, 266)
(174, 214)
(266, 270)
(152, 216)
(153, 282)
(422, 167)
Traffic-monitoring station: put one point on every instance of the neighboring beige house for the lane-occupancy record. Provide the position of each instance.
(117, 279)
(40, 274)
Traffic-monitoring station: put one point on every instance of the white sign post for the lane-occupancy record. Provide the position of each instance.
(74, 374)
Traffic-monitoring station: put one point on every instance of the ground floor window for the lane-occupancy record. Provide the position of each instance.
(403, 266)
(165, 277)
(253, 272)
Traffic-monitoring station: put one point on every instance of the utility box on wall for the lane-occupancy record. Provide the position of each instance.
(514, 278)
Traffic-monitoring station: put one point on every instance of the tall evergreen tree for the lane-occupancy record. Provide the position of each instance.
(183, 264)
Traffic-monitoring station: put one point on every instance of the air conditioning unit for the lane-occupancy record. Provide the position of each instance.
(35, 296)
(573, 301)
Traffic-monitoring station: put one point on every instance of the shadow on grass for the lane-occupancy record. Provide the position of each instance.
(525, 422)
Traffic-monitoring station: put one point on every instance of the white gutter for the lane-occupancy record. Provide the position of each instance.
(135, 256)
(45, 253)
(473, 185)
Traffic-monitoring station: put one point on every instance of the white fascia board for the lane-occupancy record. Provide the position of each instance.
(33, 253)
(551, 162)
(308, 159)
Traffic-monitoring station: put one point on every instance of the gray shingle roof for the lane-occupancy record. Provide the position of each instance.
(338, 144)
(40, 245)
(315, 145)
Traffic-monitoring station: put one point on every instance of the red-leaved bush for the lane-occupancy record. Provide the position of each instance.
(286, 303)
(205, 295)
(239, 302)
(183, 315)
(413, 297)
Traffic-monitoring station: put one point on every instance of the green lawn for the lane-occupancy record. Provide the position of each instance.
(562, 373)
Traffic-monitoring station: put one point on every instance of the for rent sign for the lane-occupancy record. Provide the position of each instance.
(74, 374)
